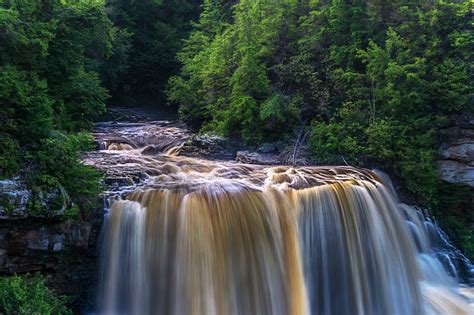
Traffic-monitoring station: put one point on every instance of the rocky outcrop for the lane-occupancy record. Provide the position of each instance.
(457, 152)
(64, 251)
(35, 237)
(18, 201)
(14, 197)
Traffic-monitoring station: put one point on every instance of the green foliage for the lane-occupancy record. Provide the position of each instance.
(58, 157)
(224, 84)
(114, 70)
(83, 41)
(9, 156)
(72, 213)
(50, 56)
(332, 143)
(26, 113)
(83, 101)
(276, 112)
(28, 296)
(203, 85)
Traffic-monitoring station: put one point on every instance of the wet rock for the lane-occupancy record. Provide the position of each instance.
(53, 201)
(208, 146)
(58, 242)
(119, 181)
(164, 134)
(34, 238)
(153, 149)
(78, 235)
(3, 257)
(250, 157)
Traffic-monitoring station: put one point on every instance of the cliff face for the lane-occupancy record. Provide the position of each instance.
(457, 151)
(63, 249)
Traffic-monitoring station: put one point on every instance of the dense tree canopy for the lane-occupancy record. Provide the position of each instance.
(50, 88)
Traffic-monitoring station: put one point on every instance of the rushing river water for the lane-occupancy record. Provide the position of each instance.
(186, 235)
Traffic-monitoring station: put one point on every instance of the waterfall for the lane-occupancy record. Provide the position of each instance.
(195, 236)
(229, 248)
(358, 256)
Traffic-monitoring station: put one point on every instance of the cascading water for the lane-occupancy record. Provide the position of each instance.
(209, 237)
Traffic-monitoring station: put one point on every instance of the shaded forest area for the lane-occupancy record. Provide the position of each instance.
(371, 81)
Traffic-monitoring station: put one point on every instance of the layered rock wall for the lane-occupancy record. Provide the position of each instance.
(457, 152)
(65, 250)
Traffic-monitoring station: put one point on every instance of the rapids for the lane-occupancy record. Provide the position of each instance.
(188, 235)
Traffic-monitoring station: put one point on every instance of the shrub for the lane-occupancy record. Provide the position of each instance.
(332, 143)
(29, 296)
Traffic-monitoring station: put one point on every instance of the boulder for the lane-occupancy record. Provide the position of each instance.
(463, 151)
(250, 157)
(208, 146)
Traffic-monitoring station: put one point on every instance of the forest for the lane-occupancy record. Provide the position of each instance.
(370, 82)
